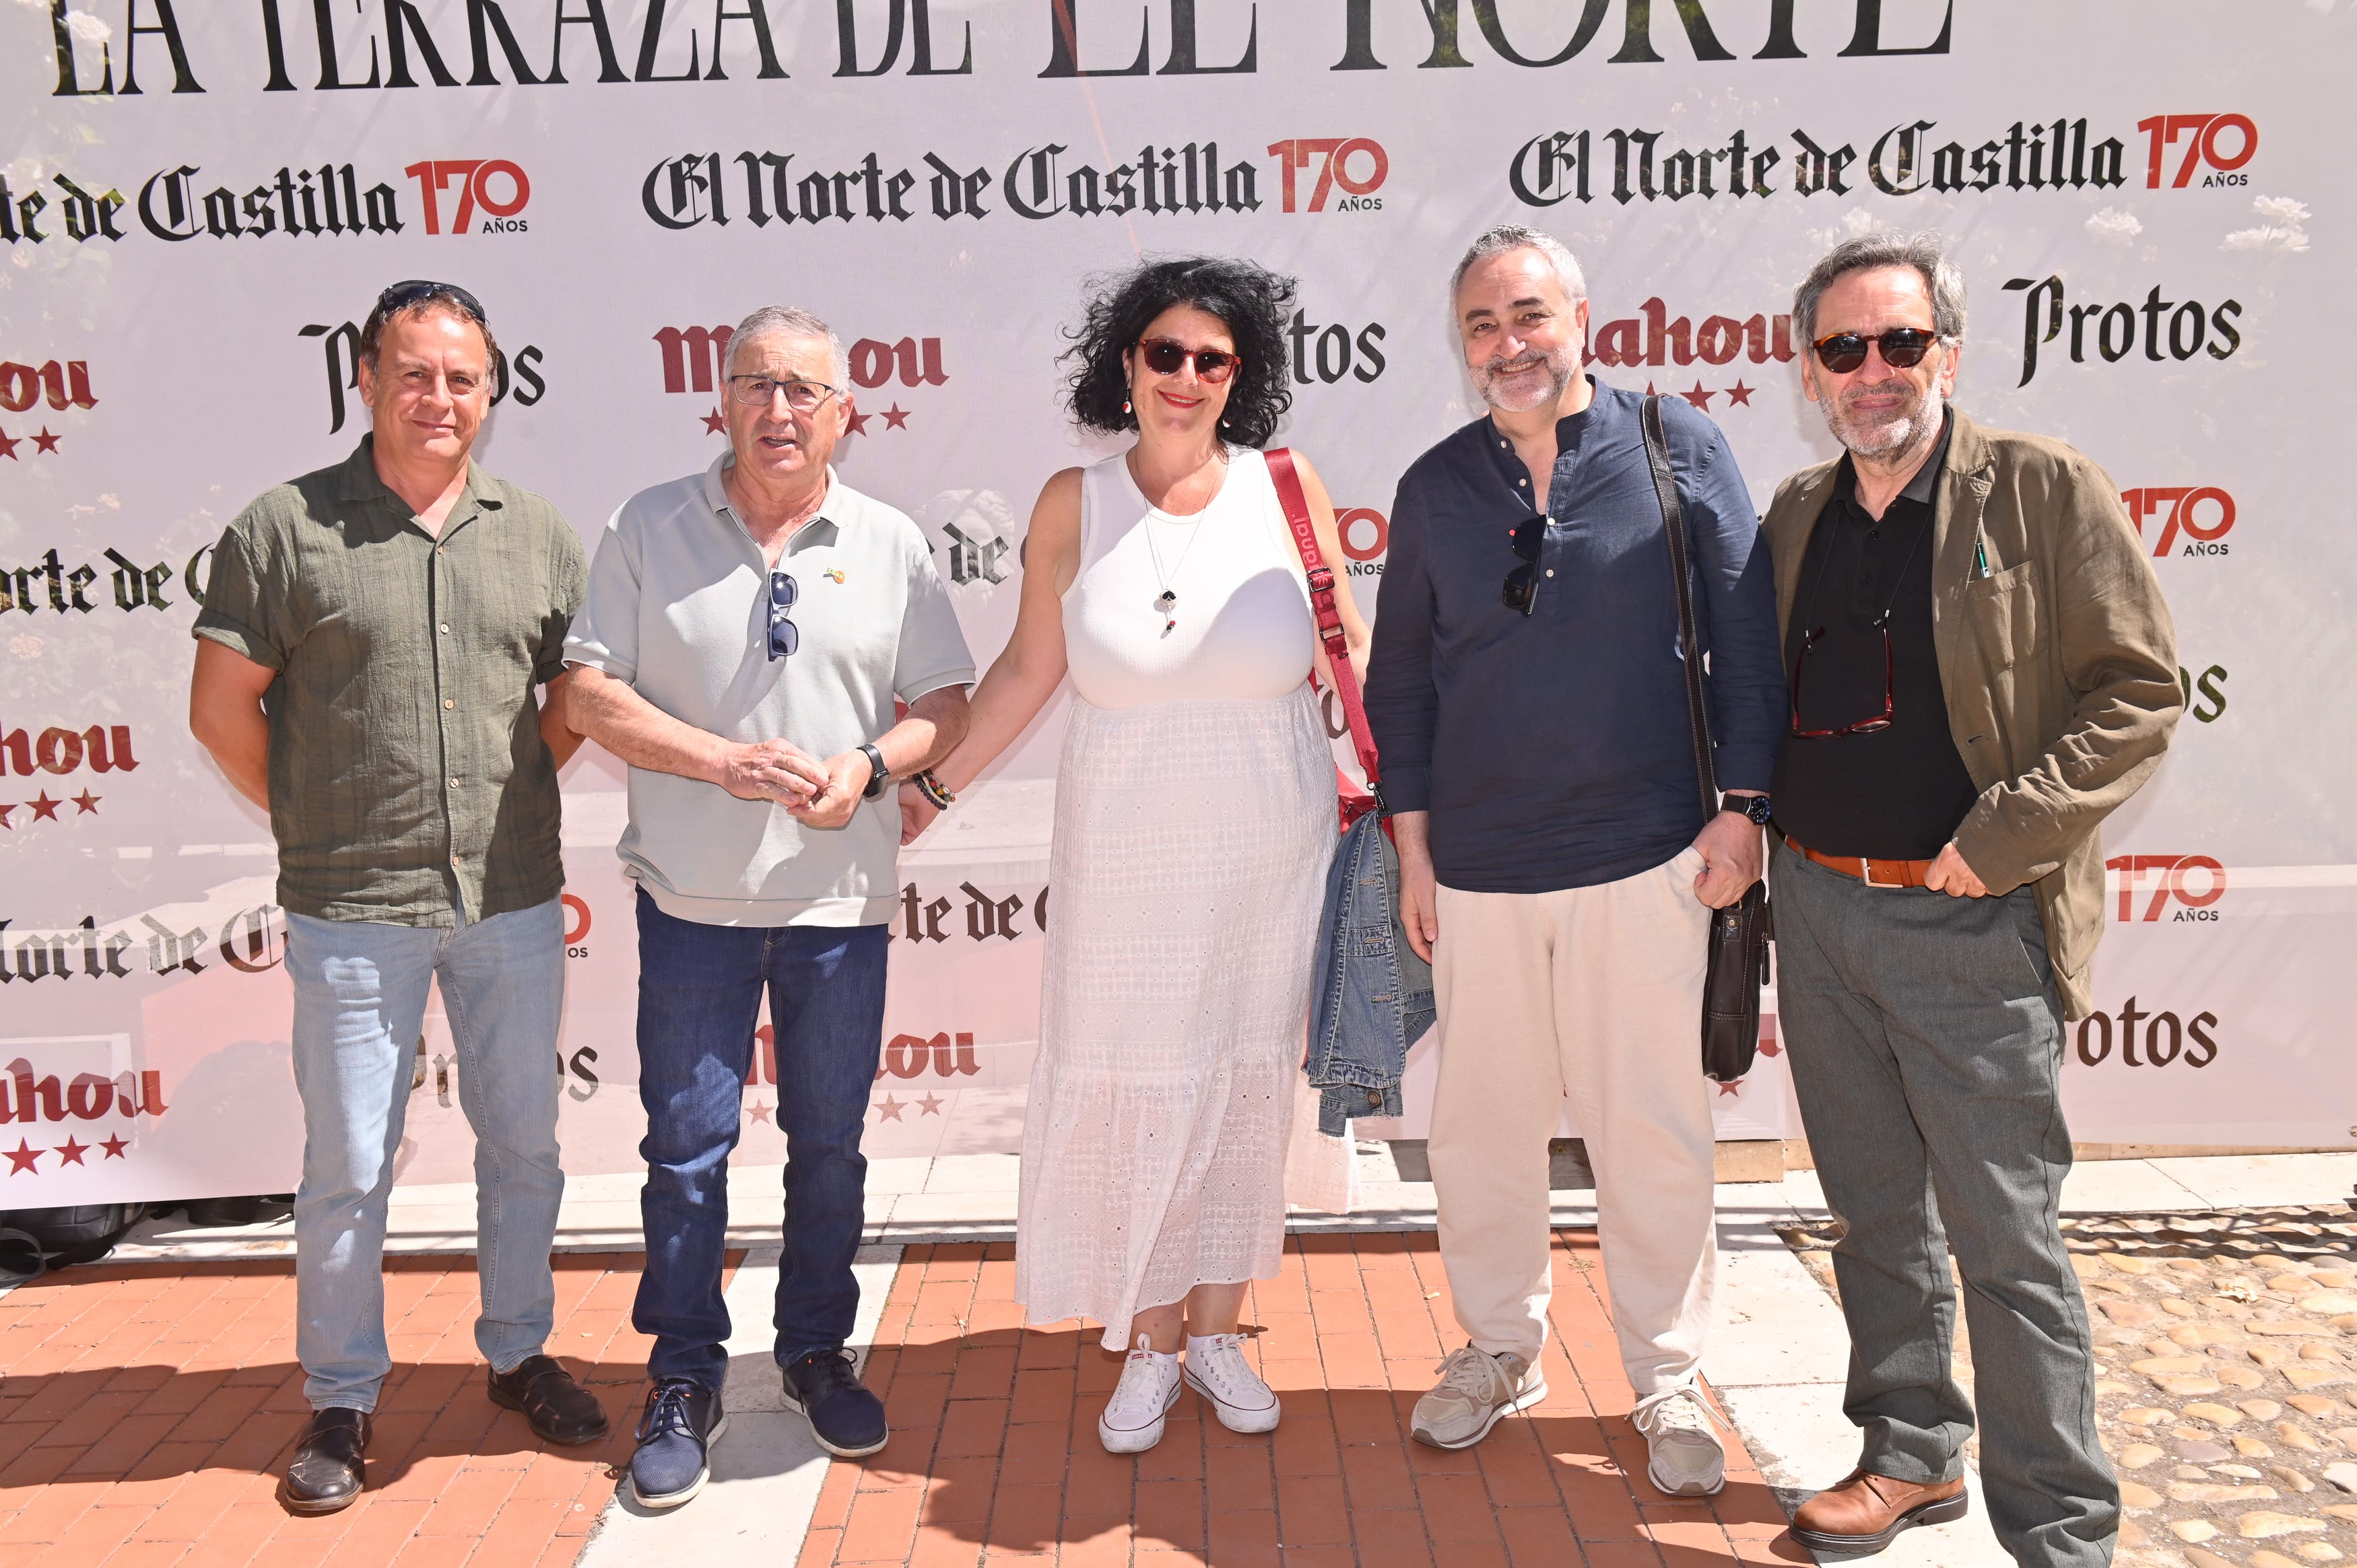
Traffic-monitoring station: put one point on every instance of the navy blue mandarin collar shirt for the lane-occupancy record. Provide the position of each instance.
(1553, 751)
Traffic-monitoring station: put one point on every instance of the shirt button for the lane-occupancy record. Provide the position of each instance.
(454, 783)
(1521, 481)
(445, 628)
(1872, 534)
(1550, 571)
(454, 860)
(449, 702)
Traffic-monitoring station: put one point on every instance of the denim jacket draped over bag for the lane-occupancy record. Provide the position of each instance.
(1373, 995)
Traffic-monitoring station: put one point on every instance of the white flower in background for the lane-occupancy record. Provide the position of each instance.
(88, 28)
(2283, 233)
(27, 647)
(2115, 226)
(1854, 224)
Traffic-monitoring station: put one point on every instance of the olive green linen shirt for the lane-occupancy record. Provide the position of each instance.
(407, 768)
(2058, 658)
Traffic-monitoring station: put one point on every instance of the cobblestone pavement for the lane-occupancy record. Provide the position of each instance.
(2226, 1347)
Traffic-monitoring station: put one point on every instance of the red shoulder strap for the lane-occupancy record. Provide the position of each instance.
(1321, 600)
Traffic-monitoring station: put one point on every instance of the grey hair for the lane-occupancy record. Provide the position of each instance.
(787, 321)
(1926, 253)
(1517, 237)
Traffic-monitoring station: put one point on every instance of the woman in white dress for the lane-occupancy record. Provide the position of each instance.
(1195, 817)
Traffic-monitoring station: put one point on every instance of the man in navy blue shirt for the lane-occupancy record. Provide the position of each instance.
(1528, 693)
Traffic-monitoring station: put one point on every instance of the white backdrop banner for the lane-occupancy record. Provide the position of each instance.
(200, 203)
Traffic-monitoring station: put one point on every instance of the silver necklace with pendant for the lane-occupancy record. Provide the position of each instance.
(1166, 604)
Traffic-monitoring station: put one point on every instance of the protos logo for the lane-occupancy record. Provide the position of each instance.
(2170, 330)
(2202, 513)
(1334, 155)
(2164, 1039)
(500, 204)
(2222, 143)
(2194, 881)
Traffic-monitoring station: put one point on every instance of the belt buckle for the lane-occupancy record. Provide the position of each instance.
(1866, 874)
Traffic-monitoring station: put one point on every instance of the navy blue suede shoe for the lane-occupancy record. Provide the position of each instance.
(847, 1421)
(682, 1420)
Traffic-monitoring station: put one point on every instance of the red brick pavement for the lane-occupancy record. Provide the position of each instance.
(995, 1457)
(147, 1410)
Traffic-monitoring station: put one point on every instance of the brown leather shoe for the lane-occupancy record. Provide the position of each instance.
(327, 1472)
(1865, 1511)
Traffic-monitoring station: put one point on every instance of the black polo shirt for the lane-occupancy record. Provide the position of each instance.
(1892, 794)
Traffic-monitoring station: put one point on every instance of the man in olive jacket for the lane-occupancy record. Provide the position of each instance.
(1982, 669)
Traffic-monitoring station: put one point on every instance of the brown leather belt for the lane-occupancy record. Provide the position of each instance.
(1873, 873)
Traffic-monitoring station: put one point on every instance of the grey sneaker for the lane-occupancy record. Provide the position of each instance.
(1684, 1457)
(1476, 1389)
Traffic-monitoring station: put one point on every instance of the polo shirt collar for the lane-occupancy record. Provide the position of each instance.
(357, 480)
(826, 527)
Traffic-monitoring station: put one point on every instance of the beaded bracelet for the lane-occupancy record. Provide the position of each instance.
(935, 790)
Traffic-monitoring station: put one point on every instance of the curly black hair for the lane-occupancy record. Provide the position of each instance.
(1253, 302)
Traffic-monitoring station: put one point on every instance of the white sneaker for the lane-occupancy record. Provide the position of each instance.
(1216, 1369)
(1684, 1457)
(1131, 1422)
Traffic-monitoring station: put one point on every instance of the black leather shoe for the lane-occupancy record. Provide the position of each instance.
(326, 1473)
(560, 1410)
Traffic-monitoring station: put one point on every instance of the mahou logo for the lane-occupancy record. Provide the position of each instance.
(2184, 886)
(696, 359)
(495, 189)
(2194, 519)
(59, 386)
(2216, 147)
(30, 1095)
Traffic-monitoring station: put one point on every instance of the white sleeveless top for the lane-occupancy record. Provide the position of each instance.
(1244, 626)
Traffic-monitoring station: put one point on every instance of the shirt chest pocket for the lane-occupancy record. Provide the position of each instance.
(2005, 616)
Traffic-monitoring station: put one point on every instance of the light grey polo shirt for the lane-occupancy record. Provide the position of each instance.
(678, 607)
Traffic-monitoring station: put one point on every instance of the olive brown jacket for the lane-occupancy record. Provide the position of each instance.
(2059, 664)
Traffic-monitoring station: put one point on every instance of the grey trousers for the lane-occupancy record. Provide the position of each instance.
(1926, 1043)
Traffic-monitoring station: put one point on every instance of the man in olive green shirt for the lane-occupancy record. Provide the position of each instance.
(367, 653)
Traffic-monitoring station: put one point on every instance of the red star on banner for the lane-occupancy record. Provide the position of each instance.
(888, 1109)
(87, 801)
(45, 442)
(70, 1152)
(760, 1111)
(1735, 1087)
(8, 448)
(114, 1147)
(44, 808)
(895, 418)
(1738, 393)
(716, 422)
(22, 1157)
(932, 1105)
(859, 423)
(4, 816)
(1698, 397)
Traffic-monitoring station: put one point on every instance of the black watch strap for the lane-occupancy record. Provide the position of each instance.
(879, 775)
(1752, 806)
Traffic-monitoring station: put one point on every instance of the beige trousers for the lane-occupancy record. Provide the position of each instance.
(1594, 992)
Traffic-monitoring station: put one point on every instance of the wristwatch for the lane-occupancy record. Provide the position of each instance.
(1752, 806)
(879, 775)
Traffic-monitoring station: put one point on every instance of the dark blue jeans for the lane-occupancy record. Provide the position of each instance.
(699, 996)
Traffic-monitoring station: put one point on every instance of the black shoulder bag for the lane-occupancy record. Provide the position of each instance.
(1739, 933)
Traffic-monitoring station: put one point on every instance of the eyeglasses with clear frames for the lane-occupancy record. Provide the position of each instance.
(801, 397)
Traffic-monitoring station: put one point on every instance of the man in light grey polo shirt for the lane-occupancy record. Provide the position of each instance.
(746, 633)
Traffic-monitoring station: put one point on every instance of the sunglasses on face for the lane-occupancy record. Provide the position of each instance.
(1164, 358)
(1522, 593)
(784, 635)
(1903, 348)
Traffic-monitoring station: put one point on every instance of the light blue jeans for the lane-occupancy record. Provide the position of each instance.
(359, 1007)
